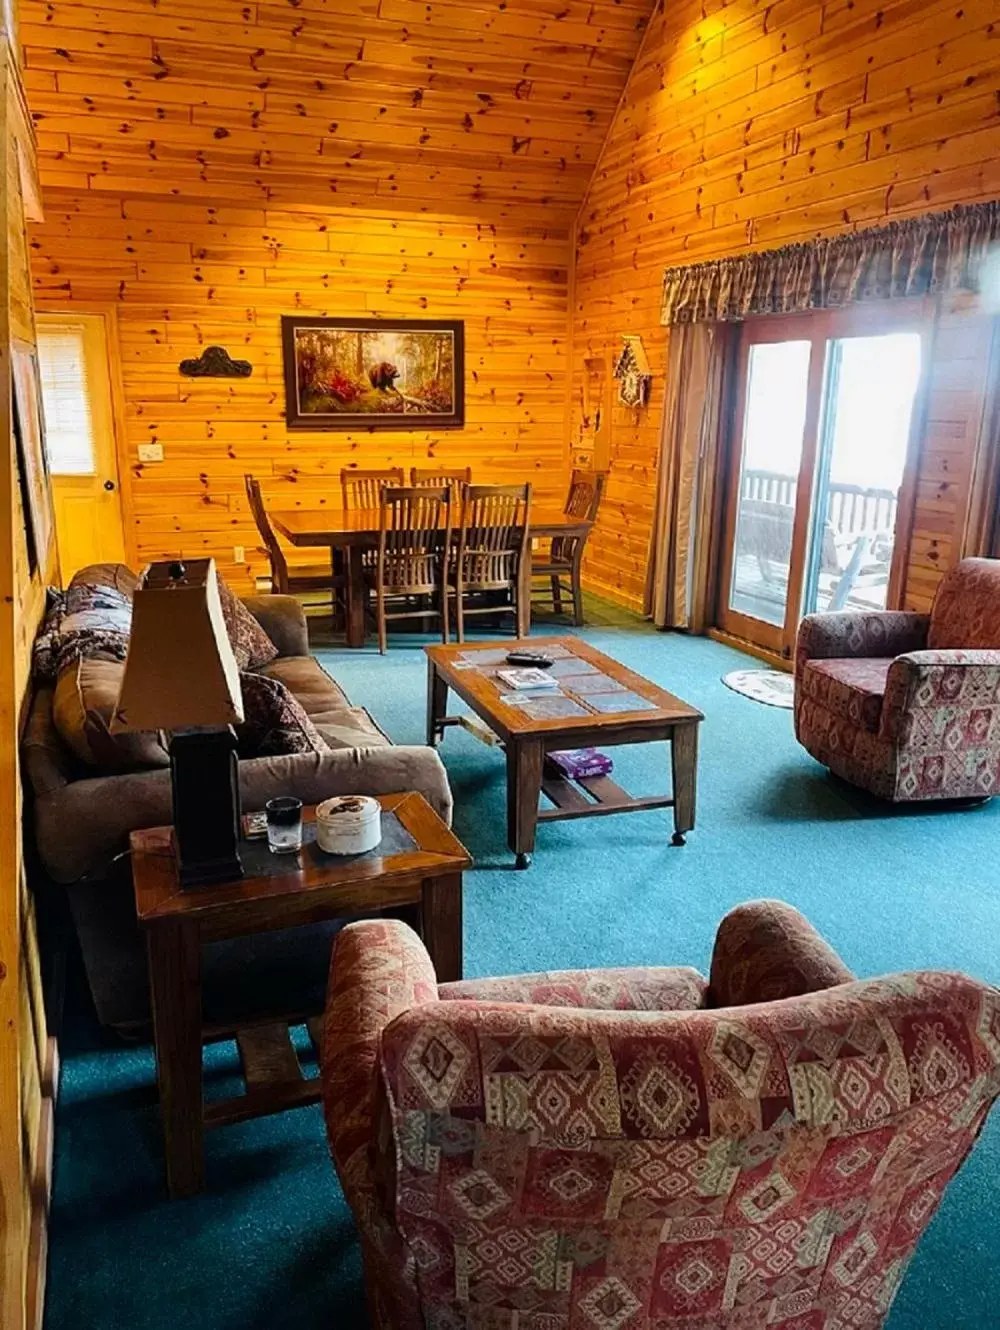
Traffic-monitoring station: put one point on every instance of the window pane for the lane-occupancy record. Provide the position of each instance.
(873, 384)
(774, 419)
(69, 427)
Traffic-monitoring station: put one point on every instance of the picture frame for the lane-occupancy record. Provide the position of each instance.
(27, 395)
(373, 374)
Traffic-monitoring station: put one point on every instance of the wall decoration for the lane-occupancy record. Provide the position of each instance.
(633, 372)
(215, 362)
(28, 423)
(374, 373)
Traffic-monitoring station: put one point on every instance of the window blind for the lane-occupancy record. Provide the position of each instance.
(69, 426)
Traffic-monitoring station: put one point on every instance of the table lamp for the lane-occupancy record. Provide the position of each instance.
(181, 676)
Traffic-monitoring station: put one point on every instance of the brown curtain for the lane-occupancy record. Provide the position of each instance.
(697, 357)
(983, 532)
(918, 257)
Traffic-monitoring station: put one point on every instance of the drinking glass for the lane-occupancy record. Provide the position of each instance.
(284, 825)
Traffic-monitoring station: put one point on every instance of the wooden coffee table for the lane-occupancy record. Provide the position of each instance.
(417, 873)
(527, 738)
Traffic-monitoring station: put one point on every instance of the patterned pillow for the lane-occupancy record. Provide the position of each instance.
(81, 623)
(275, 722)
(251, 645)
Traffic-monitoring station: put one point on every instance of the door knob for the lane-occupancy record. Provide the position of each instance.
(109, 485)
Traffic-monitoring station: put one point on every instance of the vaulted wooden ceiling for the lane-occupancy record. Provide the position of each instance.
(483, 107)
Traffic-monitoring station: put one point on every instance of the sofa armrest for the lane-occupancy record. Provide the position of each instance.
(766, 950)
(81, 826)
(838, 635)
(922, 681)
(378, 970)
(284, 621)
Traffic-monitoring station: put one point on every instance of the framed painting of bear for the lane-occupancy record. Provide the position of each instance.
(357, 374)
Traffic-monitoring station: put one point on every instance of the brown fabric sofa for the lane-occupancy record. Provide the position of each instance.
(82, 823)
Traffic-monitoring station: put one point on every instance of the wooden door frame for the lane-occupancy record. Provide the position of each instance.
(116, 385)
(869, 319)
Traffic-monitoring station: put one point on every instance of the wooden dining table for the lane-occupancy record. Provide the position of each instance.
(352, 530)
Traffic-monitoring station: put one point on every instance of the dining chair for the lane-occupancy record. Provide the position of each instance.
(301, 581)
(562, 564)
(454, 479)
(414, 540)
(492, 548)
(361, 489)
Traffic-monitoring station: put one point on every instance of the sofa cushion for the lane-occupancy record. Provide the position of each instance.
(306, 678)
(851, 688)
(84, 702)
(274, 722)
(350, 727)
(251, 645)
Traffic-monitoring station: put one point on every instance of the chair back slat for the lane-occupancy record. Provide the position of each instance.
(255, 499)
(454, 479)
(493, 536)
(586, 489)
(414, 533)
(362, 489)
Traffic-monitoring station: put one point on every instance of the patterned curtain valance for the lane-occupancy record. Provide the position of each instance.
(940, 252)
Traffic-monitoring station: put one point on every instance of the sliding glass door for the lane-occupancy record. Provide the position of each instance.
(819, 451)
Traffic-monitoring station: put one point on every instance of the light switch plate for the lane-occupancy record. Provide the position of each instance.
(239, 554)
(150, 452)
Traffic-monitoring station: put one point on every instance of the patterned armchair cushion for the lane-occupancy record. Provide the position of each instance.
(673, 988)
(966, 609)
(850, 688)
(837, 636)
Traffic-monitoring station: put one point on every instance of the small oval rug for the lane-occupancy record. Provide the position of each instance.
(774, 688)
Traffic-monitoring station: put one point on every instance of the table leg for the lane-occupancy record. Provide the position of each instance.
(441, 925)
(684, 759)
(354, 635)
(524, 786)
(174, 954)
(437, 704)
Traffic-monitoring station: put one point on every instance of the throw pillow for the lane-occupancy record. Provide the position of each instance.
(251, 645)
(85, 699)
(275, 722)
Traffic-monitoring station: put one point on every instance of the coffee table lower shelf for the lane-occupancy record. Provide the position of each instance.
(569, 798)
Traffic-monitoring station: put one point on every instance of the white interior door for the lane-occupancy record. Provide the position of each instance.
(80, 439)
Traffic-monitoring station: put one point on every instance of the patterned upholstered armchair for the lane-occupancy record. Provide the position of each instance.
(628, 1149)
(905, 705)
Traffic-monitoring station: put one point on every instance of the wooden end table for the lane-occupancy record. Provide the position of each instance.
(423, 881)
(527, 739)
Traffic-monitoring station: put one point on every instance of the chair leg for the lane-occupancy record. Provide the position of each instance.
(459, 610)
(556, 593)
(380, 612)
(445, 627)
(577, 598)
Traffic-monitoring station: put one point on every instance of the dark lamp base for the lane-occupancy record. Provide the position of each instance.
(205, 785)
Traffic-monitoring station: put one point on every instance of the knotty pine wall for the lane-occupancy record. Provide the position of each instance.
(749, 125)
(182, 275)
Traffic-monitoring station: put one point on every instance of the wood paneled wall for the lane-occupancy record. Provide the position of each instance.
(27, 1056)
(748, 125)
(185, 274)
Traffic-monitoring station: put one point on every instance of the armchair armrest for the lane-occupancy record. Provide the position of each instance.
(656, 988)
(378, 970)
(843, 634)
(766, 950)
(921, 681)
(284, 621)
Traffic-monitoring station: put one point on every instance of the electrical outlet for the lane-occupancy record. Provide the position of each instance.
(150, 452)
(239, 554)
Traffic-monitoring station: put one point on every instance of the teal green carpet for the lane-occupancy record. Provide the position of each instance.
(270, 1244)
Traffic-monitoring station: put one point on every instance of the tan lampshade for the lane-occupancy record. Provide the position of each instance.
(180, 670)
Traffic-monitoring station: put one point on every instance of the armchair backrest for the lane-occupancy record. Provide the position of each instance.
(966, 612)
(619, 1169)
